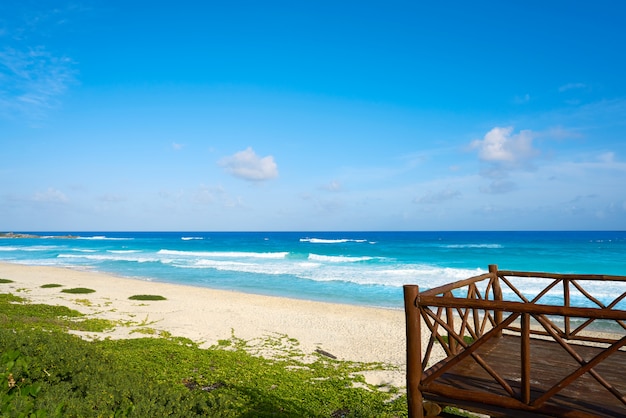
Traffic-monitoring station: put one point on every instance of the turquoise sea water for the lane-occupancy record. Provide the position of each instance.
(362, 268)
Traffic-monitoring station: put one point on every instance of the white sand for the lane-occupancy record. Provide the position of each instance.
(205, 315)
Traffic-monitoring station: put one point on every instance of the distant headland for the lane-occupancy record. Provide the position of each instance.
(18, 235)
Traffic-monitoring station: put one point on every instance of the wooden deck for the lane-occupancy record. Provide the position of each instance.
(584, 397)
(517, 357)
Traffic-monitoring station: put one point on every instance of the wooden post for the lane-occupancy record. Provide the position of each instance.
(566, 303)
(525, 357)
(452, 342)
(497, 294)
(413, 351)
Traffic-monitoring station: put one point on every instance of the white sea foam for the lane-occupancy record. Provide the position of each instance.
(330, 241)
(123, 251)
(112, 257)
(190, 238)
(224, 254)
(326, 271)
(31, 248)
(273, 268)
(472, 246)
(338, 259)
(104, 238)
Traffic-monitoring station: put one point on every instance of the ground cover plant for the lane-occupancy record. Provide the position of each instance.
(50, 285)
(45, 371)
(147, 297)
(78, 290)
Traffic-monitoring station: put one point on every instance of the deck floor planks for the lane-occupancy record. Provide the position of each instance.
(549, 364)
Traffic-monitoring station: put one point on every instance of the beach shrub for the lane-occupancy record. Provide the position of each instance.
(147, 297)
(17, 392)
(10, 298)
(16, 313)
(50, 285)
(5, 281)
(78, 290)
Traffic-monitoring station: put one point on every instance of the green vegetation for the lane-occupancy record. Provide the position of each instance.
(50, 285)
(6, 281)
(84, 302)
(45, 371)
(147, 297)
(78, 290)
(466, 338)
(17, 314)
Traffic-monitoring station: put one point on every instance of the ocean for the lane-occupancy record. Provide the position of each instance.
(359, 268)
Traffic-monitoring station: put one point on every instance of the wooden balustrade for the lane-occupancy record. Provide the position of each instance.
(497, 338)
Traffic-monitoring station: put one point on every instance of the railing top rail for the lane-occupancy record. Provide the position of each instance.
(569, 276)
(534, 274)
(522, 307)
(456, 285)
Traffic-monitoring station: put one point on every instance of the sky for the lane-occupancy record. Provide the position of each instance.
(312, 115)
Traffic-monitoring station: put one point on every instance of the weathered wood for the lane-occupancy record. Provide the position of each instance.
(525, 350)
(467, 381)
(603, 313)
(515, 373)
(566, 303)
(456, 285)
(539, 275)
(497, 292)
(413, 351)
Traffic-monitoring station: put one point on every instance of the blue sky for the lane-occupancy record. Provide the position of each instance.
(325, 115)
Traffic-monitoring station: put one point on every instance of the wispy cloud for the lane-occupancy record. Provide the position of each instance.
(499, 186)
(522, 99)
(32, 80)
(112, 198)
(33, 77)
(437, 197)
(247, 165)
(51, 195)
(572, 86)
(333, 186)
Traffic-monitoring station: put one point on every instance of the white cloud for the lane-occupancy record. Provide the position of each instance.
(32, 76)
(500, 145)
(499, 187)
(333, 186)
(112, 198)
(176, 146)
(32, 80)
(438, 197)
(51, 196)
(247, 165)
(607, 157)
(571, 86)
(522, 99)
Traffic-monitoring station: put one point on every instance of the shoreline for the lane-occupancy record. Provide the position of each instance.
(206, 316)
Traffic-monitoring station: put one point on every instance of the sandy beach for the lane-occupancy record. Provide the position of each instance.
(351, 333)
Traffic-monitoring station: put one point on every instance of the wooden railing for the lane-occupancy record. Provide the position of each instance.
(464, 316)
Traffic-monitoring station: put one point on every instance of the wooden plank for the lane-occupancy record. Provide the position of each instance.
(519, 374)
(550, 364)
